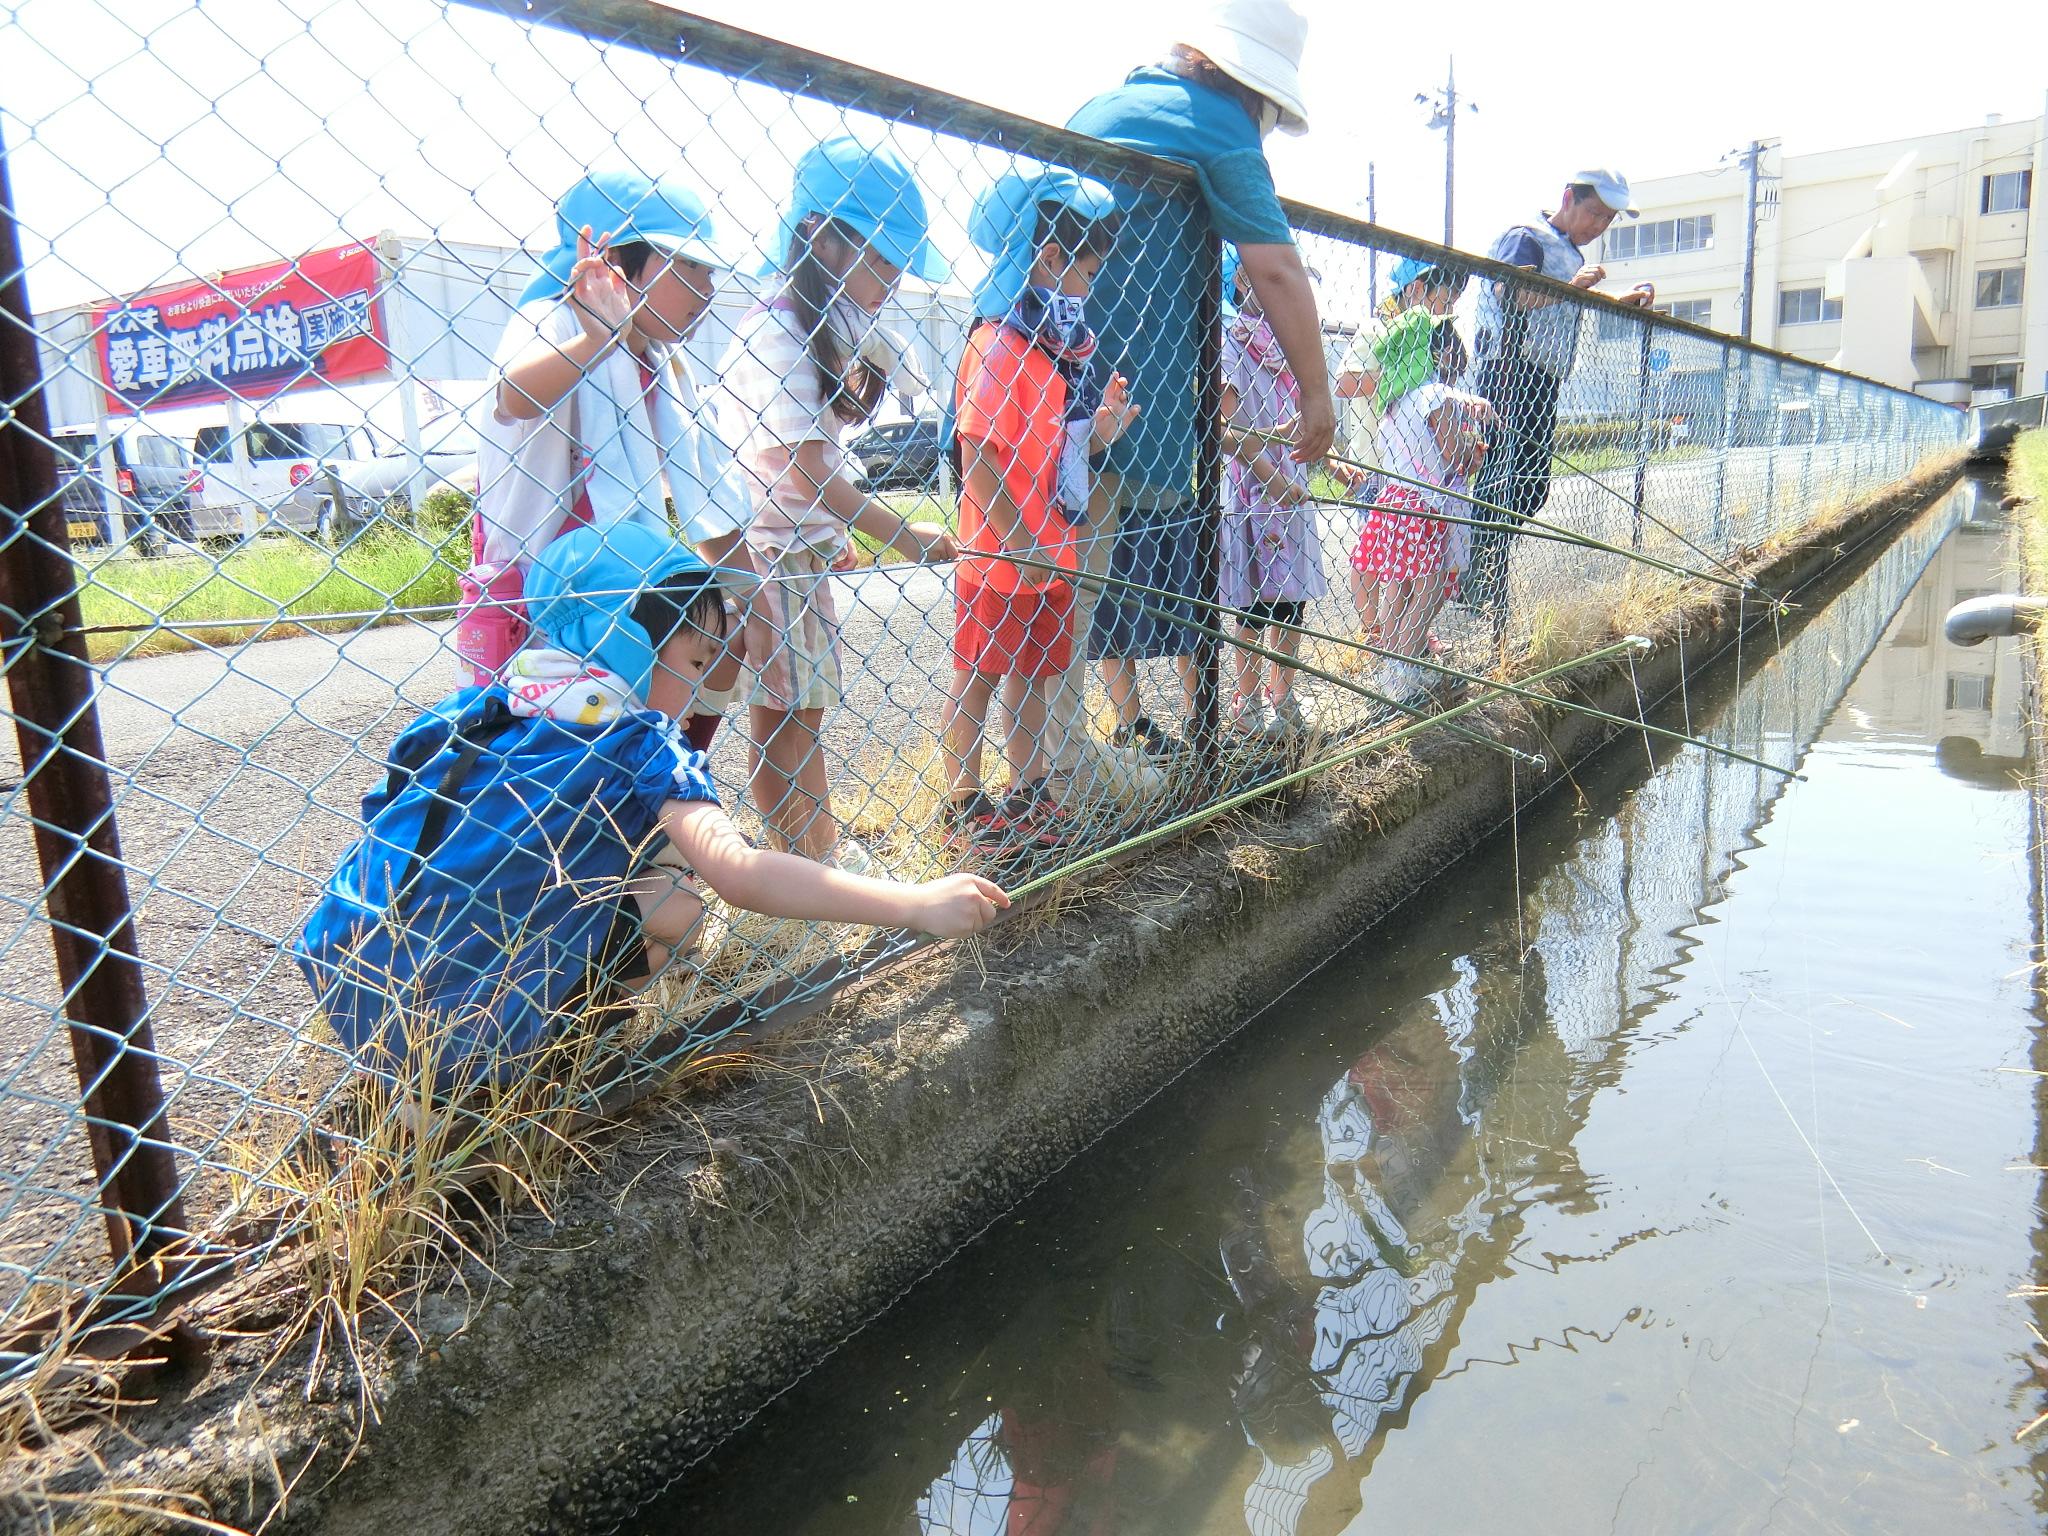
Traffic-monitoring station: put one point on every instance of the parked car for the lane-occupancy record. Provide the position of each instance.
(899, 455)
(447, 457)
(153, 478)
(320, 478)
(285, 481)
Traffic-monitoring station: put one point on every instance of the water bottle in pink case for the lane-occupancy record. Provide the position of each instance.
(491, 622)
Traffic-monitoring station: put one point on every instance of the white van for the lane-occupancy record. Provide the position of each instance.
(291, 480)
(322, 478)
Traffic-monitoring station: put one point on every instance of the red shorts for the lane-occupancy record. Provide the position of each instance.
(1026, 633)
(1395, 547)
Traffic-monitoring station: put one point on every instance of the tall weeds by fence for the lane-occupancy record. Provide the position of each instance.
(328, 224)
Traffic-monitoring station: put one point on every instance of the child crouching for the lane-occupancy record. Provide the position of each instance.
(536, 845)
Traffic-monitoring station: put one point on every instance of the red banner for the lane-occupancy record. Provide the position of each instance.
(252, 334)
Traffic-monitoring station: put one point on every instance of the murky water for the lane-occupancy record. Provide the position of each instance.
(1668, 1168)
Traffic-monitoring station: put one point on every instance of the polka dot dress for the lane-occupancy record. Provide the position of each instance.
(1399, 547)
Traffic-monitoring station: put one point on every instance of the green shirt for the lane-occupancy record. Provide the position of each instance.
(1402, 353)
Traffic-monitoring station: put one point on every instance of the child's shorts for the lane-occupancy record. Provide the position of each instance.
(1273, 610)
(1026, 633)
(793, 633)
(1396, 546)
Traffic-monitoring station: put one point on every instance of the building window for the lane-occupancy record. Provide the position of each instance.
(2001, 287)
(2004, 376)
(1618, 324)
(1806, 306)
(1969, 690)
(1661, 237)
(2008, 192)
(1694, 311)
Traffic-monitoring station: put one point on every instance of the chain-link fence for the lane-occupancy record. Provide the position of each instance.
(318, 409)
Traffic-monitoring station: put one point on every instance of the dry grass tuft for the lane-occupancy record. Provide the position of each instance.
(53, 1477)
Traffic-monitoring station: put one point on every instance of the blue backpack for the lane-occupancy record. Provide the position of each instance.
(476, 914)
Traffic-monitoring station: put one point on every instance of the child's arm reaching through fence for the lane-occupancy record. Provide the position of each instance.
(783, 885)
(807, 469)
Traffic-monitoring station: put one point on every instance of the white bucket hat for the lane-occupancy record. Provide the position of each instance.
(1258, 43)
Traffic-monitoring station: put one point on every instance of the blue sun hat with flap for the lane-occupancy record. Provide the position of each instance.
(1005, 224)
(582, 589)
(1409, 268)
(869, 189)
(622, 206)
(1233, 263)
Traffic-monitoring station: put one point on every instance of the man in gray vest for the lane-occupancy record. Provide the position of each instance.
(1527, 340)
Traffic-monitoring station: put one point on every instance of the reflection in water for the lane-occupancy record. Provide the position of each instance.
(1383, 1248)
(1223, 1322)
(1405, 1144)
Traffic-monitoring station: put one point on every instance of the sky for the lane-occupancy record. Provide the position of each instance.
(153, 139)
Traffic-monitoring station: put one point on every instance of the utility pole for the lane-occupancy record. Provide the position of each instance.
(1450, 145)
(1746, 305)
(1443, 113)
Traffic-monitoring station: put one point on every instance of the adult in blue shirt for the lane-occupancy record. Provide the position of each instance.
(1527, 340)
(1229, 82)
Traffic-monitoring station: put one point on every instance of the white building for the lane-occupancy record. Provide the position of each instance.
(1914, 262)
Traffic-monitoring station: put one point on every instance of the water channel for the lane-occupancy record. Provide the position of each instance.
(1668, 1166)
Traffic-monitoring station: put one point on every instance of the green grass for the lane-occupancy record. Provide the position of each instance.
(913, 506)
(276, 587)
(1598, 460)
(2026, 476)
(2027, 470)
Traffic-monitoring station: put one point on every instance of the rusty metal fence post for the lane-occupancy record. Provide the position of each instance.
(70, 800)
(1209, 311)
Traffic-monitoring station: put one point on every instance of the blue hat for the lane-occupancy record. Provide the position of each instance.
(619, 206)
(1410, 268)
(582, 588)
(1005, 224)
(870, 190)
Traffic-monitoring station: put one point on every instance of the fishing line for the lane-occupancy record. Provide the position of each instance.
(1253, 620)
(1196, 818)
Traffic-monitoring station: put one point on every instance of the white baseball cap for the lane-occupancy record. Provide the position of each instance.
(1611, 187)
(1258, 43)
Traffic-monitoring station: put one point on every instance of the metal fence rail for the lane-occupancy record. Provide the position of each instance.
(252, 340)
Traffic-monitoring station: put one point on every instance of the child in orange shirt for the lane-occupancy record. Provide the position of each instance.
(1030, 410)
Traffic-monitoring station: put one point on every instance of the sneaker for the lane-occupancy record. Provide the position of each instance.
(977, 822)
(1403, 682)
(1142, 733)
(1287, 717)
(1247, 716)
(1036, 819)
(855, 857)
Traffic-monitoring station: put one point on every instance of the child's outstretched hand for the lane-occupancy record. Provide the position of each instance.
(926, 543)
(1117, 411)
(597, 291)
(957, 905)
